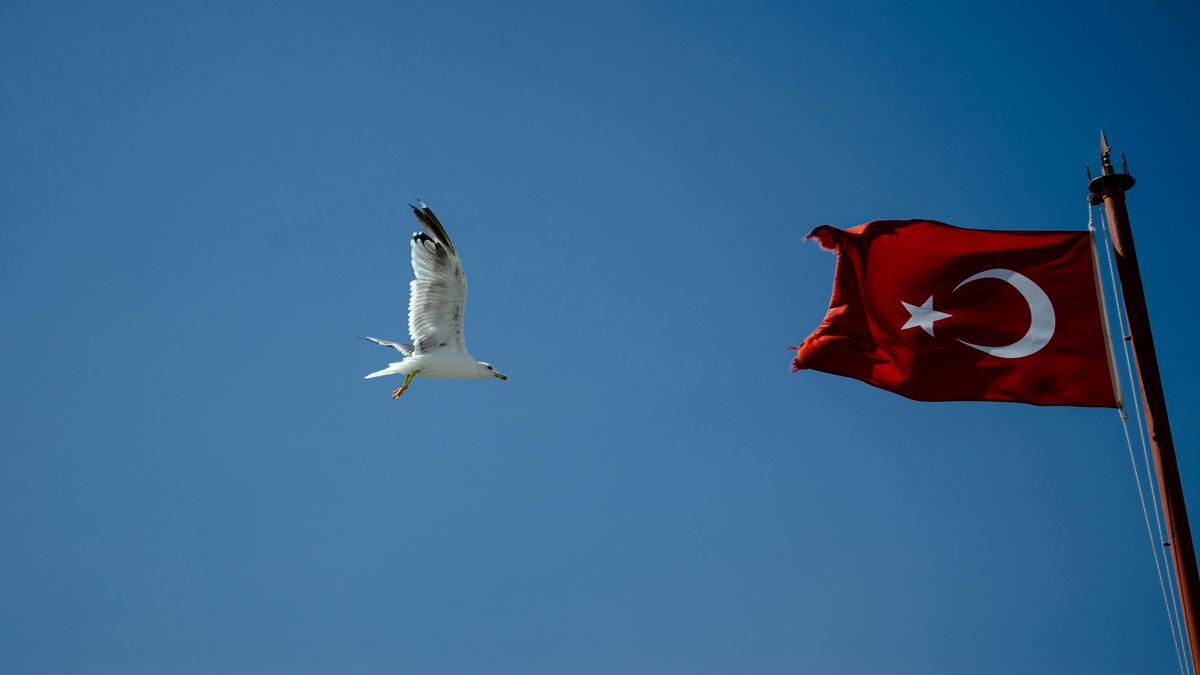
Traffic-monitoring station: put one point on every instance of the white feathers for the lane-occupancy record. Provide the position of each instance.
(392, 369)
(437, 297)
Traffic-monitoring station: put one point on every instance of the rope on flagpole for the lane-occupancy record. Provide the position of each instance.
(1123, 326)
(1162, 585)
(1124, 329)
(1174, 619)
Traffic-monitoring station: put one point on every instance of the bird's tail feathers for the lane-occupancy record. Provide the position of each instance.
(392, 369)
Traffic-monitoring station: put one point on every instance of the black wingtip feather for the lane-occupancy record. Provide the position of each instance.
(432, 225)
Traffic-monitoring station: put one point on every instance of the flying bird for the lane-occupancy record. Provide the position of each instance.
(437, 299)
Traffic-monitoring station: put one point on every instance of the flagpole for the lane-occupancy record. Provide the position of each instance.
(1110, 188)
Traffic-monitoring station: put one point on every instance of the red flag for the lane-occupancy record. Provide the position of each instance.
(941, 313)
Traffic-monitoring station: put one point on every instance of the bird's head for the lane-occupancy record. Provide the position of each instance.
(487, 370)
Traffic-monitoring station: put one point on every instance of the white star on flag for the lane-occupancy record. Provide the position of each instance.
(923, 316)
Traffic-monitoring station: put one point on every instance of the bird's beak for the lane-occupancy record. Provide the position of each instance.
(501, 376)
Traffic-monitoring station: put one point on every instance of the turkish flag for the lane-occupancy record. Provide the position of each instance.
(941, 313)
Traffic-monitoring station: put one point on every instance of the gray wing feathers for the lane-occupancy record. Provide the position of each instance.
(402, 347)
(438, 295)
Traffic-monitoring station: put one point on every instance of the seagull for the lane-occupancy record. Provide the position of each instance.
(437, 299)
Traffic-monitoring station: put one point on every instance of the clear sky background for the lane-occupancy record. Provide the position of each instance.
(202, 204)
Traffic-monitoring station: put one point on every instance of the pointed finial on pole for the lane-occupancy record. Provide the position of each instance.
(1105, 149)
(1109, 181)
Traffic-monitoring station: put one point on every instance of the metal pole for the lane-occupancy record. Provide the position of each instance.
(1110, 188)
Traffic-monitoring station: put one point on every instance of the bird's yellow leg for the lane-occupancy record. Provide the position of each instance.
(404, 387)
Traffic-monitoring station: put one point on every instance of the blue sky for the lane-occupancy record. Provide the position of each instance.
(202, 204)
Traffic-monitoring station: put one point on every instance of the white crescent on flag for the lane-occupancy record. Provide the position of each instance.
(1041, 311)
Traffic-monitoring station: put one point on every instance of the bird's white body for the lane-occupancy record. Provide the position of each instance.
(438, 365)
(436, 305)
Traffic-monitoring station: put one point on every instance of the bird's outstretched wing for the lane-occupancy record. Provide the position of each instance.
(402, 347)
(438, 296)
